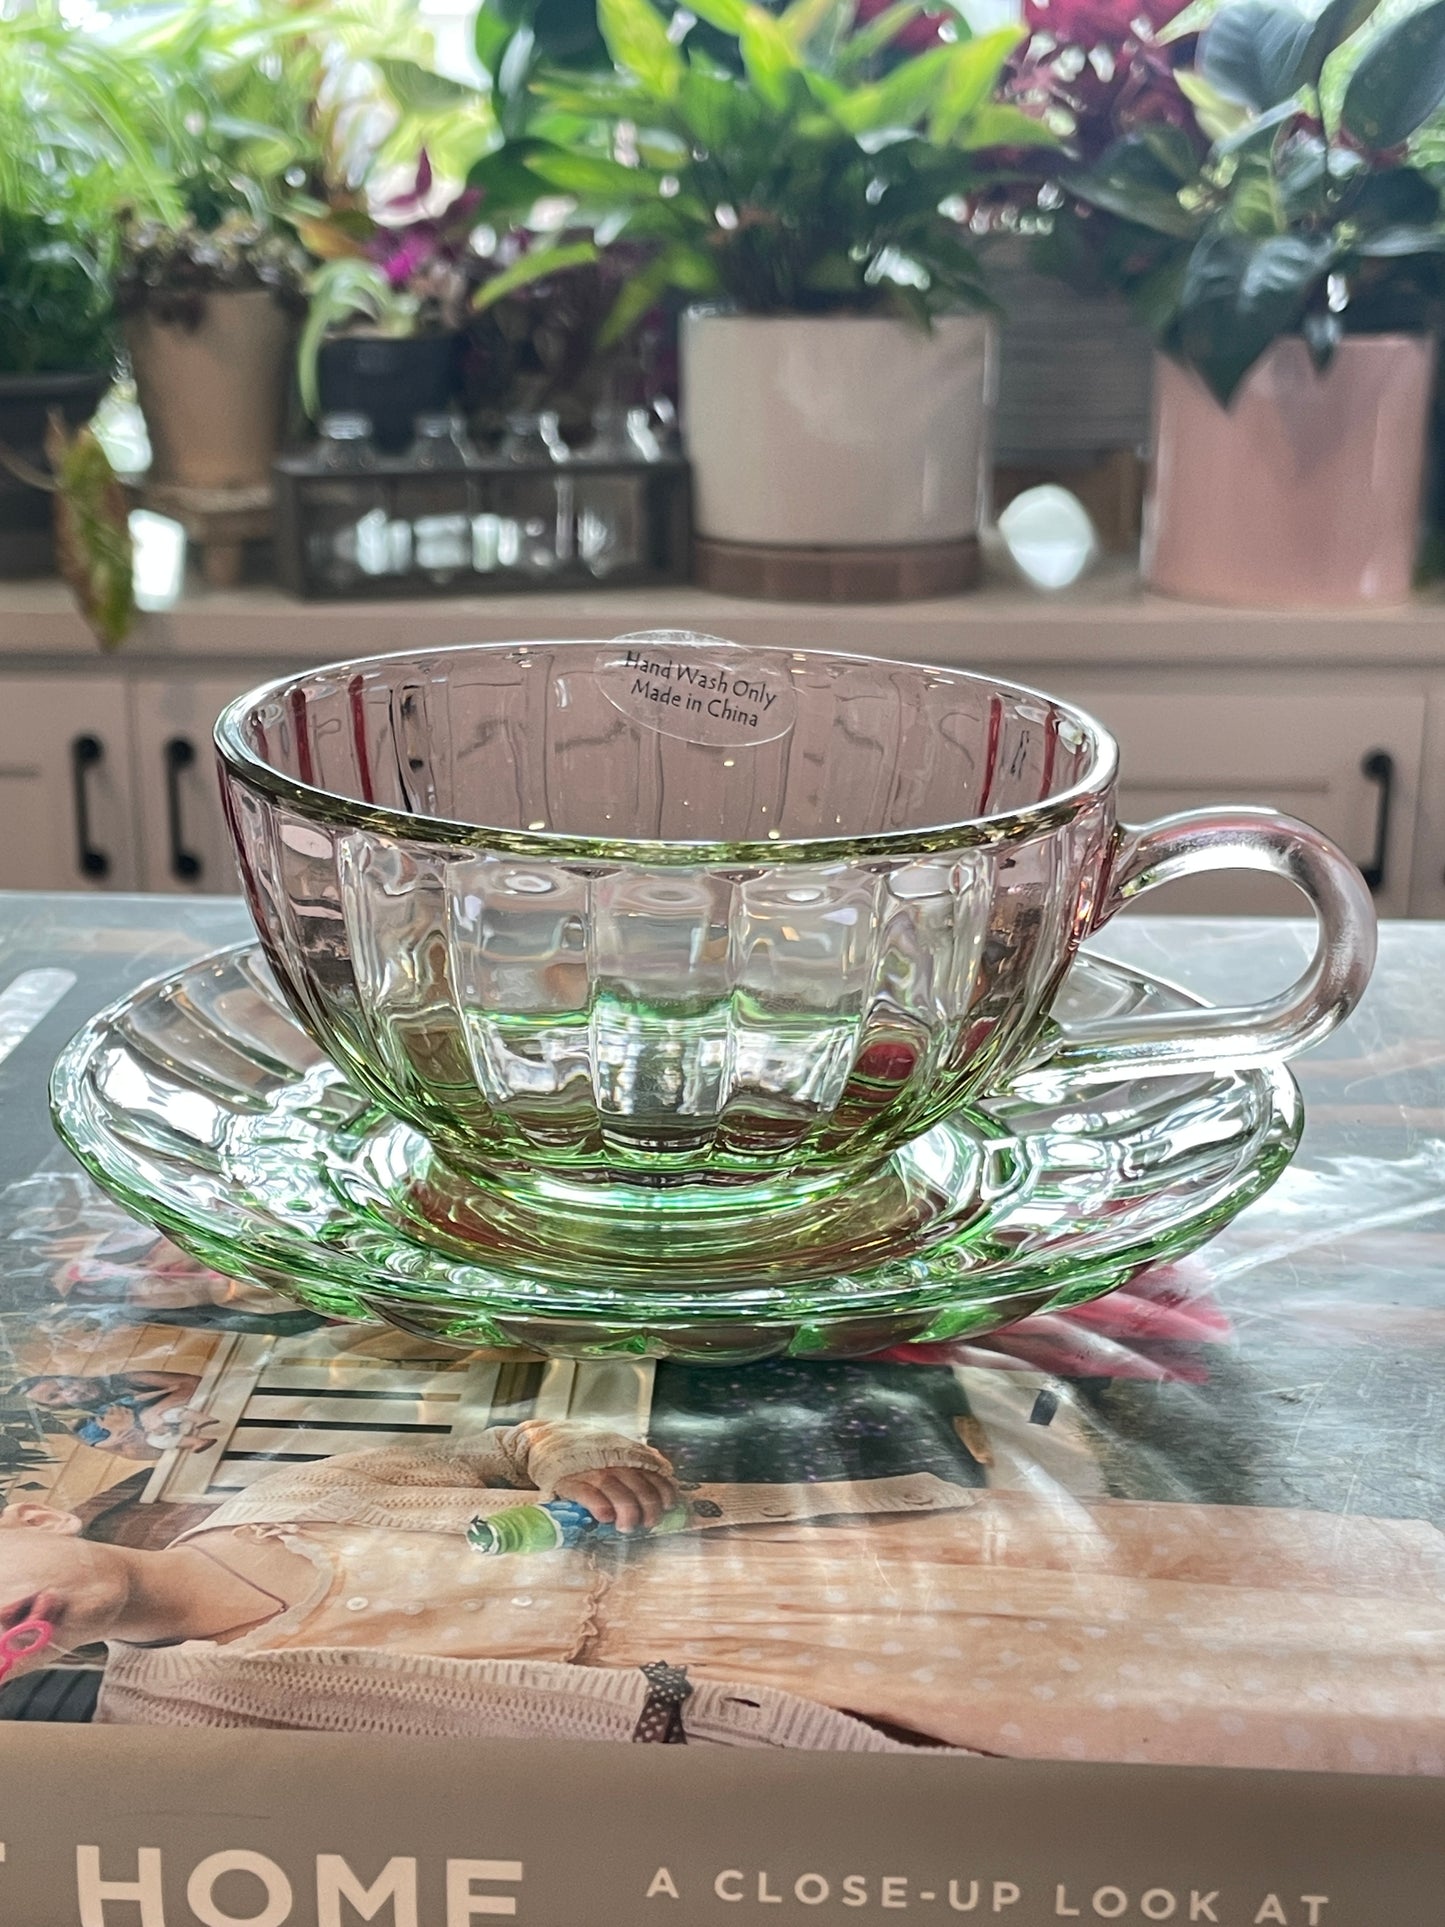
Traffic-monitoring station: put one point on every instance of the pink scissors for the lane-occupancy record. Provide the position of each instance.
(30, 1636)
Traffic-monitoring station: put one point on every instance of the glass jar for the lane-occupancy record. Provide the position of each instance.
(434, 497)
(535, 532)
(611, 519)
(346, 504)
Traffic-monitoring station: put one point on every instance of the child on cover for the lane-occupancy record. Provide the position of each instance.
(851, 1614)
(135, 1414)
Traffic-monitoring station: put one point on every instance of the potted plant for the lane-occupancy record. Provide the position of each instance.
(210, 315)
(1076, 366)
(545, 346)
(211, 271)
(62, 160)
(809, 194)
(1285, 245)
(383, 327)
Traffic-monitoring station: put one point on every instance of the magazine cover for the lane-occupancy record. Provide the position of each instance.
(348, 1625)
(1068, 1542)
(1195, 1523)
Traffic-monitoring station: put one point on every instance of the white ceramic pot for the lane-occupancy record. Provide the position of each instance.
(837, 431)
(214, 395)
(1303, 494)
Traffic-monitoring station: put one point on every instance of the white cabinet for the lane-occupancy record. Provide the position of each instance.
(1345, 757)
(184, 844)
(107, 781)
(67, 814)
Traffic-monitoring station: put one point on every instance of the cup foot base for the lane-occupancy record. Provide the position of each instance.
(702, 1237)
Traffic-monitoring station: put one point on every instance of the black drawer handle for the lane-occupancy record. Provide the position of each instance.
(86, 753)
(180, 754)
(1379, 767)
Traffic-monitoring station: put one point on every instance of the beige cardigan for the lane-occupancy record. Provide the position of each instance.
(440, 1489)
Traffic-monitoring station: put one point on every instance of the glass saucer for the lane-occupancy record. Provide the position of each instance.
(200, 1104)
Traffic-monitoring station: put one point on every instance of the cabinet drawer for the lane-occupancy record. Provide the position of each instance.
(184, 842)
(1347, 763)
(66, 802)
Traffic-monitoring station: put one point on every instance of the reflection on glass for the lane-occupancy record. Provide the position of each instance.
(611, 514)
(341, 537)
(535, 537)
(434, 495)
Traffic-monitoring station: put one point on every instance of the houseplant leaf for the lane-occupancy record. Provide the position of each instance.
(1130, 180)
(901, 99)
(636, 37)
(1401, 197)
(970, 74)
(1332, 26)
(726, 15)
(805, 19)
(999, 124)
(1397, 243)
(92, 532)
(678, 268)
(537, 265)
(1301, 178)
(419, 90)
(1218, 118)
(491, 35)
(1398, 81)
(768, 57)
(880, 32)
(1256, 53)
(1240, 293)
(591, 177)
(1257, 133)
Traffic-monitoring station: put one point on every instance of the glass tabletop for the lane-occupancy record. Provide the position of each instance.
(1197, 1521)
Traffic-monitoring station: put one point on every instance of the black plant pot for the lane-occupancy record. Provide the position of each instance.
(27, 544)
(390, 381)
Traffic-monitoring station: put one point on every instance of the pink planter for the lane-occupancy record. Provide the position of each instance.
(1305, 493)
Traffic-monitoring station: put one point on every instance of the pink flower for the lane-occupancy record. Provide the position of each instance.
(1097, 23)
(413, 249)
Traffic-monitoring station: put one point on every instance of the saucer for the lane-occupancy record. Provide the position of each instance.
(200, 1104)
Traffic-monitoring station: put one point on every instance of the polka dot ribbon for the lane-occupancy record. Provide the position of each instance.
(660, 1721)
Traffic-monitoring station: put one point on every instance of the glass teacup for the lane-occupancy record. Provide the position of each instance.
(608, 919)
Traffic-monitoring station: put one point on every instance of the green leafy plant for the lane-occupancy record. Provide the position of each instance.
(72, 151)
(815, 170)
(1299, 203)
(544, 344)
(92, 532)
(56, 308)
(92, 525)
(168, 268)
(408, 274)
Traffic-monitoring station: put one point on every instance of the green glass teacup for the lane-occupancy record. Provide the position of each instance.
(665, 912)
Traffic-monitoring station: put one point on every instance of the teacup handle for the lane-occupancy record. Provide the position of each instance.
(1159, 1042)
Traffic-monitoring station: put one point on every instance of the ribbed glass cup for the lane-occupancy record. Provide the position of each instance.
(605, 919)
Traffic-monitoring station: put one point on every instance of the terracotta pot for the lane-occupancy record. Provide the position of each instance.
(27, 544)
(1305, 493)
(837, 431)
(214, 396)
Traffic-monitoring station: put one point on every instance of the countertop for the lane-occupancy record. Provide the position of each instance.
(1107, 620)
